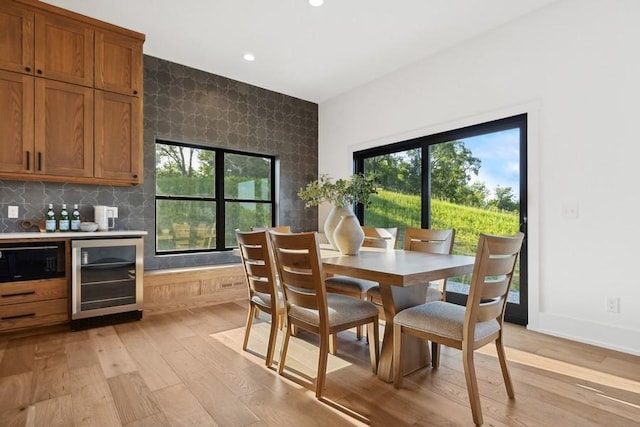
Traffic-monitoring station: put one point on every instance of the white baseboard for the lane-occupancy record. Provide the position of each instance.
(598, 334)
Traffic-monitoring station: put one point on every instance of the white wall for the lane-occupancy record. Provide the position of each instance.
(575, 68)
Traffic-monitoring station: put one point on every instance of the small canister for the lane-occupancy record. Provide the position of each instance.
(84, 259)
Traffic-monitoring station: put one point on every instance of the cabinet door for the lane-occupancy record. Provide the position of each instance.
(16, 39)
(118, 138)
(16, 122)
(63, 49)
(118, 66)
(63, 129)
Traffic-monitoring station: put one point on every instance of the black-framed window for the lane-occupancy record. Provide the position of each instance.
(472, 179)
(204, 194)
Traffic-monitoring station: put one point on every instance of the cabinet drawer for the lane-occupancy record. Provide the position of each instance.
(33, 290)
(31, 314)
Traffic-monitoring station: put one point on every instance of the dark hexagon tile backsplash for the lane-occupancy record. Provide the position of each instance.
(188, 105)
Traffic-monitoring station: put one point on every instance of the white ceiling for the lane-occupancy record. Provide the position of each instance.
(312, 53)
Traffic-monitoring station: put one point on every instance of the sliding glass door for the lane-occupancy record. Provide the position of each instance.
(471, 179)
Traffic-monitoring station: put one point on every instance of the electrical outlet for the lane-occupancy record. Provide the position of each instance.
(570, 211)
(613, 304)
(13, 212)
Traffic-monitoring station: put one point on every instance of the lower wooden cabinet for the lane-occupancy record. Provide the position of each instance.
(34, 303)
(33, 314)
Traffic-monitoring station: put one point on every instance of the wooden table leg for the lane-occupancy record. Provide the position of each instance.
(415, 351)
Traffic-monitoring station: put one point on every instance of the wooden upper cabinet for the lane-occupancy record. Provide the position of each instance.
(118, 63)
(118, 138)
(63, 49)
(54, 64)
(16, 38)
(64, 129)
(16, 129)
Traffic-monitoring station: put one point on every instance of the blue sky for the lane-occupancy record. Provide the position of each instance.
(500, 156)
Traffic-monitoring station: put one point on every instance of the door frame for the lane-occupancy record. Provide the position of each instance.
(515, 313)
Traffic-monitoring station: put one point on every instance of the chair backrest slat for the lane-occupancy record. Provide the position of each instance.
(295, 260)
(377, 237)
(495, 288)
(301, 279)
(258, 269)
(252, 252)
(489, 310)
(261, 286)
(428, 240)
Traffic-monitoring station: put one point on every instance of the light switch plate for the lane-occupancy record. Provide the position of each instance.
(13, 212)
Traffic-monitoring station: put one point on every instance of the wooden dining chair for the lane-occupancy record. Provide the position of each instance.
(378, 237)
(278, 228)
(471, 327)
(182, 235)
(423, 240)
(259, 269)
(309, 306)
(374, 237)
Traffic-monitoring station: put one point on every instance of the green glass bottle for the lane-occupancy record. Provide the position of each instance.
(75, 219)
(50, 220)
(63, 222)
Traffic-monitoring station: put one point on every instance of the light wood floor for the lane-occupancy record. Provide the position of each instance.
(187, 369)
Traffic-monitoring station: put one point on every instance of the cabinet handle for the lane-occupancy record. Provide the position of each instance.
(135, 176)
(27, 69)
(39, 71)
(135, 92)
(18, 316)
(39, 160)
(28, 160)
(18, 294)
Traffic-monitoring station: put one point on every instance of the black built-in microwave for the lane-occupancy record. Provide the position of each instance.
(31, 261)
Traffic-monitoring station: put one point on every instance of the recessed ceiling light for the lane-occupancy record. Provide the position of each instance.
(316, 3)
(249, 56)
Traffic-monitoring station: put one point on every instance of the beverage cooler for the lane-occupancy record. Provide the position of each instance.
(106, 284)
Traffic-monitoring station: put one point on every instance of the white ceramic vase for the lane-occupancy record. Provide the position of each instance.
(330, 224)
(348, 235)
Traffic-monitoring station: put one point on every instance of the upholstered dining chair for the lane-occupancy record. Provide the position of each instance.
(471, 327)
(423, 240)
(259, 269)
(378, 237)
(278, 228)
(309, 306)
(374, 237)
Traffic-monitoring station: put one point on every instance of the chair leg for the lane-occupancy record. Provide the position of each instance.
(322, 363)
(359, 332)
(273, 337)
(283, 349)
(333, 343)
(397, 355)
(435, 354)
(503, 365)
(374, 348)
(247, 329)
(472, 384)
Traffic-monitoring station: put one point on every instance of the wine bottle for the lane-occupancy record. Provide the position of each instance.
(63, 221)
(75, 219)
(50, 220)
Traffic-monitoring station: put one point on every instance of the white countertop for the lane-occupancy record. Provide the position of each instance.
(71, 234)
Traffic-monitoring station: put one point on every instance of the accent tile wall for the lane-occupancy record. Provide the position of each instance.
(188, 105)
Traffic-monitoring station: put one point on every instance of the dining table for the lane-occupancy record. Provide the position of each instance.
(403, 277)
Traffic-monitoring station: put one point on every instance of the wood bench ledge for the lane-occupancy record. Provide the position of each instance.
(173, 289)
